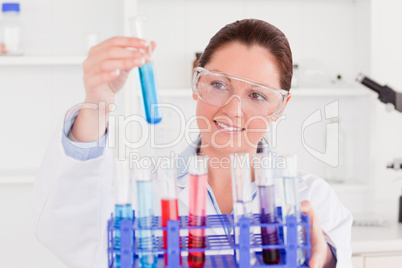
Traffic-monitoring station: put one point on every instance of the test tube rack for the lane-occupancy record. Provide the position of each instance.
(177, 244)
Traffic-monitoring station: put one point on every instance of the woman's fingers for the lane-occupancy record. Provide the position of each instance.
(107, 65)
(119, 61)
(114, 53)
(119, 41)
(96, 80)
(117, 53)
(153, 45)
(307, 208)
(112, 65)
(321, 255)
(115, 58)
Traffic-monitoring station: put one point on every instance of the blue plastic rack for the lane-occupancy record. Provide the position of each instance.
(177, 244)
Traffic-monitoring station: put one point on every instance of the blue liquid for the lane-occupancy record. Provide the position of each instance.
(122, 212)
(149, 95)
(145, 215)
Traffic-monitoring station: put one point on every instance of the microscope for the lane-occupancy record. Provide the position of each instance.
(386, 95)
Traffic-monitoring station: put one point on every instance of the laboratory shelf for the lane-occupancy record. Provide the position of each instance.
(329, 91)
(17, 176)
(41, 60)
(17, 179)
(248, 242)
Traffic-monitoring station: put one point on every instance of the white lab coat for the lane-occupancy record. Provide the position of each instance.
(72, 201)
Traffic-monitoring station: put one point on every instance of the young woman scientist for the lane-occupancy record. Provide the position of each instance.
(72, 194)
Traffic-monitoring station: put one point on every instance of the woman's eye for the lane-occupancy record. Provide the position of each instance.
(218, 85)
(257, 96)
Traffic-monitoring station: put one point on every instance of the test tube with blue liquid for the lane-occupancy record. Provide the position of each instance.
(123, 209)
(264, 176)
(144, 215)
(146, 77)
(291, 200)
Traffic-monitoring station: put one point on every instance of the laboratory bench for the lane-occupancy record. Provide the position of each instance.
(379, 245)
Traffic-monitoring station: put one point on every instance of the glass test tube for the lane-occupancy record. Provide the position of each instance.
(167, 181)
(242, 194)
(145, 214)
(123, 209)
(241, 185)
(198, 172)
(291, 200)
(264, 176)
(146, 78)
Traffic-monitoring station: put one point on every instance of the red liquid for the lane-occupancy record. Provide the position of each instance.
(170, 211)
(197, 217)
(196, 239)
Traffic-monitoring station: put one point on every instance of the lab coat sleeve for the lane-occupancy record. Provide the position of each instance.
(71, 205)
(80, 150)
(335, 219)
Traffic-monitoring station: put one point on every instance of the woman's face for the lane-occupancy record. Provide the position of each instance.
(245, 130)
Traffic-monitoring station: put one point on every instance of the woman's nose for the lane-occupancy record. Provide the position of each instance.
(233, 107)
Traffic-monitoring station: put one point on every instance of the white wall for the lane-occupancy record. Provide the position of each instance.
(33, 101)
(325, 36)
(37, 97)
(386, 68)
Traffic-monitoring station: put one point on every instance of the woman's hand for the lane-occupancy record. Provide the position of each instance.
(321, 255)
(105, 72)
(108, 64)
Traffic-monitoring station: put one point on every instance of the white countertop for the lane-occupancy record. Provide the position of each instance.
(384, 238)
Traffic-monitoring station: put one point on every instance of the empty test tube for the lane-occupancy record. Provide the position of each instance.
(242, 193)
(291, 199)
(241, 185)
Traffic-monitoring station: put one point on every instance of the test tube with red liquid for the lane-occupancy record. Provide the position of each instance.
(198, 179)
(264, 177)
(167, 181)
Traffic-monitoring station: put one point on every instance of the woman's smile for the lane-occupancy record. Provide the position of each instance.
(228, 128)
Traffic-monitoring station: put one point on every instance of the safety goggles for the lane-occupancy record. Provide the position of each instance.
(218, 89)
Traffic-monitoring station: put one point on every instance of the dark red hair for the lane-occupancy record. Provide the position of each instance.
(255, 32)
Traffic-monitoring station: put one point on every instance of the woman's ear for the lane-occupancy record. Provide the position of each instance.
(195, 97)
(275, 118)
